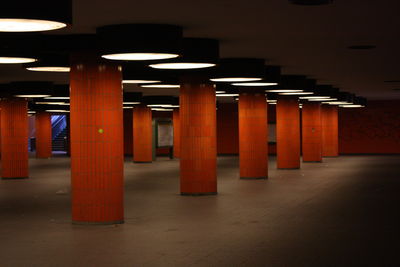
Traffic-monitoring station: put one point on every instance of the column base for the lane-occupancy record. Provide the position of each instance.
(97, 223)
(330, 156)
(295, 168)
(199, 194)
(312, 161)
(142, 162)
(254, 178)
(13, 178)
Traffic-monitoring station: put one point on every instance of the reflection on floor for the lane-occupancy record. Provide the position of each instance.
(343, 212)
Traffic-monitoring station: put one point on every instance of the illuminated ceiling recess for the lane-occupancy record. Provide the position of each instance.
(197, 53)
(140, 42)
(272, 76)
(138, 73)
(13, 48)
(49, 63)
(31, 89)
(306, 85)
(132, 98)
(35, 16)
(239, 70)
(161, 102)
(290, 84)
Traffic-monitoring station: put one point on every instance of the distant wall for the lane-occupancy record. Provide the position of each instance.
(371, 130)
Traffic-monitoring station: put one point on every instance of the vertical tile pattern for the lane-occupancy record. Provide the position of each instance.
(288, 133)
(311, 132)
(330, 131)
(142, 134)
(96, 140)
(128, 131)
(228, 129)
(14, 138)
(177, 133)
(253, 134)
(198, 170)
(43, 134)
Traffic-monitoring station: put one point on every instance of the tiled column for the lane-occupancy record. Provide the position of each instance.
(14, 138)
(177, 133)
(311, 132)
(253, 134)
(198, 158)
(43, 134)
(142, 134)
(330, 139)
(128, 131)
(96, 140)
(288, 133)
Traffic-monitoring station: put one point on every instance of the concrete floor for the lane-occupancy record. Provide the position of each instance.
(343, 212)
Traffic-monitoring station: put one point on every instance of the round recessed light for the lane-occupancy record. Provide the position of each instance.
(297, 93)
(139, 56)
(284, 91)
(361, 47)
(139, 81)
(311, 2)
(29, 25)
(255, 84)
(351, 106)
(235, 79)
(182, 66)
(160, 86)
(49, 69)
(16, 60)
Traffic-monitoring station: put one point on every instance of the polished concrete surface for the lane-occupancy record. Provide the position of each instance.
(342, 212)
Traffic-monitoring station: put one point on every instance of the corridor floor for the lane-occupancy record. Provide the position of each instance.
(342, 212)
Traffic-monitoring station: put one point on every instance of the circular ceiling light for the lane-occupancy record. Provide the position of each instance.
(49, 69)
(351, 106)
(35, 16)
(139, 81)
(29, 25)
(139, 42)
(226, 95)
(256, 84)
(16, 60)
(162, 86)
(297, 93)
(283, 90)
(31, 89)
(140, 56)
(235, 70)
(235, 79)
(197, 53)
(314, 97)
(182, 66)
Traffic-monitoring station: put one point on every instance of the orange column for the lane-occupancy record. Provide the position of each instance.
(198, 161)
(43, 134)
(311, 132)
(142, 135)
(288, 133)
(330, 139)
(253, 134)
(96, 140)
(14, 139)
(128, 131)
(177, 133)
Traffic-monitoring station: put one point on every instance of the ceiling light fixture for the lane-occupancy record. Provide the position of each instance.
(163, 86)
(197, 53)
(16, 60)
(31, 89)
(236, 70)
(139, 81)
(255, 84)
(140, 42)
(35, 16)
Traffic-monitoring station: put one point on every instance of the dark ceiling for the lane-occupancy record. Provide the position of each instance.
(310, 40)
